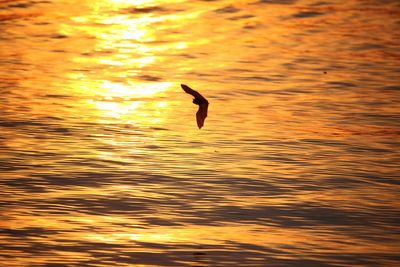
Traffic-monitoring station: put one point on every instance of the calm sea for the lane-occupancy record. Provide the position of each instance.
(102, 163)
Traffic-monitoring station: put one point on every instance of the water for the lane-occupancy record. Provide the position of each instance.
(102, 163)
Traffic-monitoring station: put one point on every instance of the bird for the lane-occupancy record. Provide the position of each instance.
(199, 100)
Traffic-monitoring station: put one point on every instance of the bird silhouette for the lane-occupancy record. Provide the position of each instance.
(199, 100)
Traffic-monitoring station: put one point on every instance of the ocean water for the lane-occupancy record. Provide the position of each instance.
(102, 164)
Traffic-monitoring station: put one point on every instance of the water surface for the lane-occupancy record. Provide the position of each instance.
(102, 164)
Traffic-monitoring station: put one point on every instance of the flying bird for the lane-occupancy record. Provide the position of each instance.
(199, 100)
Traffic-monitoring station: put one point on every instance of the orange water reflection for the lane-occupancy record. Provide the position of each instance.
(105, 159)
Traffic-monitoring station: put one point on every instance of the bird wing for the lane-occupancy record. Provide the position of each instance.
(201, 114)
(192, 92)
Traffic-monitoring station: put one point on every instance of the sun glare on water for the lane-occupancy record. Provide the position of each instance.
(121, 59)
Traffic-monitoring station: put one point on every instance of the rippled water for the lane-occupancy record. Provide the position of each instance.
(102, 163)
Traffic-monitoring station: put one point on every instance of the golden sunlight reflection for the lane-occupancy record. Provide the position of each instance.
(139, 2)
(115, 88)
(103, 163)
(198, 234)
(117, 99)
(130, 35)
(116, 110)
(132, 89)
(215, 235)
